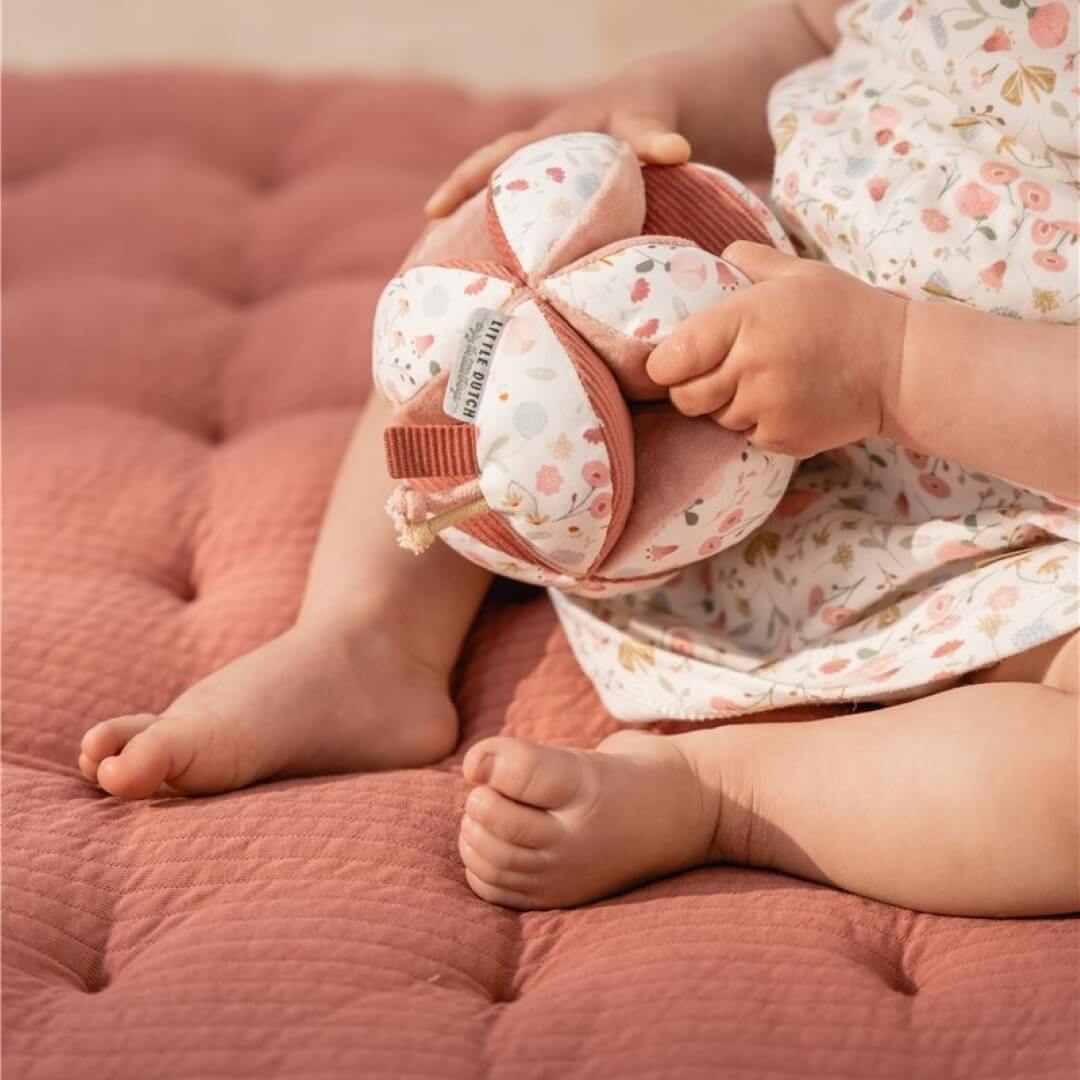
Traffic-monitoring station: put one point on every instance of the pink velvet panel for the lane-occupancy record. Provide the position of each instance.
(190, 268)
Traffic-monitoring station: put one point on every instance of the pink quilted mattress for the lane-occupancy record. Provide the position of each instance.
(190, 266)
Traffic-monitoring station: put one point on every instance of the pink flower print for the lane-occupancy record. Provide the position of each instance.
(1004, 596)
(1043, 232)
(831, 667)
(952, 550)
(640, 291)
(795, 502)
(975, 201)
(595, 473)
(903, 507)
(518, 185)
(1050, 260)
(548, 480)
(477, 286)
(647, 329)
(935, 220)
(877, 186)
(883, 136)
(724, 705)
(939, 607)
(724, 276)
(679, 641)
(934, 485)
(1070, 227)
(979, 80)
(1048, 25)
(825, 118)
(815, 600)
(835, 615)
(556, 174)
(907, 13)
(876, 668)
(791, 185)
(600, 507)
(884, 116)
(919, 460)
(423, 342)
(999, 41)
(731, 519)
(593, 435)
(993, 276)
(945, 648)
(688, 270)
(998, 172)
(943, 626)
(662, 551)
(1034, 195)
(518, 337)
(885, 676)
(902, 147)
(710, 546)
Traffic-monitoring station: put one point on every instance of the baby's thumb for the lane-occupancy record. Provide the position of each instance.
(759, 262)
(652, 139)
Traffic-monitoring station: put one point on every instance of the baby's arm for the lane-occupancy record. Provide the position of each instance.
(709, 97)
(990, 392)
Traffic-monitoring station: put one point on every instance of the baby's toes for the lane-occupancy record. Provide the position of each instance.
(498, 885)
(495, 894)
(109, 737)
(474, 837)
(524, 826)
(139, 769)
(544, 776)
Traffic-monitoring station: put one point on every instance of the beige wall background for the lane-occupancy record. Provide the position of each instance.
(489, 44)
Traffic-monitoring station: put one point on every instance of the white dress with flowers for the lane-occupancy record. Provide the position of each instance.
(933, 154)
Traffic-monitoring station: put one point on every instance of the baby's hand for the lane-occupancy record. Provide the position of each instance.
(635, 106)
(801, 360)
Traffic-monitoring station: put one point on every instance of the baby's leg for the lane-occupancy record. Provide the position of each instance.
(960, 803)
(360, 682)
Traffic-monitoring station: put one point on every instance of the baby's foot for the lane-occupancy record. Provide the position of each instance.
(306, 702)
(549, 827)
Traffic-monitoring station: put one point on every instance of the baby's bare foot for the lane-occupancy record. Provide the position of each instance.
(306, 702)
(549, 827)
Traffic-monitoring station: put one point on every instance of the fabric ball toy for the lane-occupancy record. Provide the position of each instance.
(513, 343)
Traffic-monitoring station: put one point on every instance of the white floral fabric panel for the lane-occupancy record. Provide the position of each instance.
(644, 290)
(741, 497)
(498, 562)
(419, 321)
(757, 206)
(543, 462)
(541, 192)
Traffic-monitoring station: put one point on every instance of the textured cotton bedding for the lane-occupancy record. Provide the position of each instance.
(191, 264)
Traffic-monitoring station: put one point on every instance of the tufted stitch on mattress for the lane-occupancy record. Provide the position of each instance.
(191, 263)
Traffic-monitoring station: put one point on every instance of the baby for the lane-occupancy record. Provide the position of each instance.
(925, 160)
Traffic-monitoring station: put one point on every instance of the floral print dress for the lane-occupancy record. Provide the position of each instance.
(933, 154)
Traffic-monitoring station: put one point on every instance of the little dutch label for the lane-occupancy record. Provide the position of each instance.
(468, 376)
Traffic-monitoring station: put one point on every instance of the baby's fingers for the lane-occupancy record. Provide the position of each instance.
(697, 345)
(472, 174)
(710, 393)
(652, 139)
